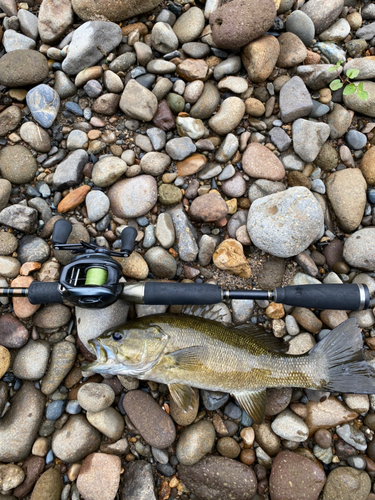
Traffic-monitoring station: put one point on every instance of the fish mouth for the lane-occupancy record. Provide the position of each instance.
(100, 351)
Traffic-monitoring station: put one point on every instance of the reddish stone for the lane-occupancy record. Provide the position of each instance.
(32, 467)
(13, 334)
(164, 118)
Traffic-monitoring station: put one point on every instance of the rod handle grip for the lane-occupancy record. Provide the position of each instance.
(44, 292)
(157, 293)
(336, 296)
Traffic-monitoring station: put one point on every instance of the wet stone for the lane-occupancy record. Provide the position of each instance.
(63, 358)
(195, 442)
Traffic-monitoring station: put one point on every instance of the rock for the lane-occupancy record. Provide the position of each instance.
(19, 427)
(268, 213)
(357, 251)
(161, 263)
(213, 478)
(69, 173)
(138, 481)
(17, 164)
(295, 100)
(195, 442)
(189, 25)
(323, 14)
(13, 334)
(155, 426)
(180, 148)
(138, 102)
(289, 426)
(347, 483)
(308, 138)
(294, 476)
(346, 190)
(229, 257)
(91, 323)
(73, 199)
(339, 121)
(109, 422)
(10, 119)
(235, 186)
(355, 139)
(64, 86)
(97, 204)
(301, 25)
(107, 170)
(9, 7)
(23, 67)
(207, 102)
(11, 476)
(280, 138)
(44, 104)
(185, 418)
(366, 107)
(28, 23)
(112, 82)
(83, 49)
(367, 167)
(110, 9)
(62, 360)
(35, 136)
(15, 41)
(163, 38)
(193, 69)
(228, 117)
(191, 165)
(134, 266)
(164, 230)
(327, 414)
(106, 104)
(48, 486)
(239, 23)
(155, 163)
(259, 162)
(99, 476)
(76, 440)
(260, 57)
(31, 360)
(317, 76)
(54, 19)
(208, 208)
(8, 243)
(185, 234)
(4, 360)
(292, 50)
(133, 197)
(95, 397)
(20, 217)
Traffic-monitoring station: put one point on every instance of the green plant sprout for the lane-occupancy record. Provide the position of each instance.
(350, 88)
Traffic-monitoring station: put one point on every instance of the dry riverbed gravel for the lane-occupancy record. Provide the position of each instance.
(209, 127)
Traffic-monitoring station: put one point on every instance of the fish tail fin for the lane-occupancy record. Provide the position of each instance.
(342, 349)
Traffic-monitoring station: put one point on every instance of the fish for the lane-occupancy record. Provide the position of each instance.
(185, 351)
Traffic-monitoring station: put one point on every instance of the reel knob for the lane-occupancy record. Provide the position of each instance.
(128, 237)
(61, 232)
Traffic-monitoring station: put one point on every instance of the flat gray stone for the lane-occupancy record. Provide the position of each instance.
(69, 172)
(309, 138)
(295, 100)
(185, 234)
(138, 482)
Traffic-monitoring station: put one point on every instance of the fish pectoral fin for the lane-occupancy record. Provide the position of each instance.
(183, 395)
(253, 402)
(188, 358)
(259, 333)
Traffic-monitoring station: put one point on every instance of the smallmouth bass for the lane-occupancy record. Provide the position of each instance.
(185, 351)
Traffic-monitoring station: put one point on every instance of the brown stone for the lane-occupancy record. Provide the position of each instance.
(48, 486)
(193, 69)
(260, 57)
(29, 267)
(327, 414)
(10, 118)
(298, 179)
(333, 318)
(55, 17)
(247, 456)
(307, 319)
(254, 107)
(21, 305)
(141, 27)
(73, 199)
(292, 50)
(367, 166)
(323, 13)
(191, 165)
(4, 360)
(229, 257)
(13, 334)
(239, 22)
(312, 58)
(260, 163)
(275, 311)
(294, 477)
(99, 476)
(333, 252)
(208, 208)
(106, 104)
(93, 73)
(113, 10)
(164, 118)
(266, 438)
(277, 400)
(33, 467)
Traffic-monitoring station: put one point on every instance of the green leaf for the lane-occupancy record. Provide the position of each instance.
(360, 86)
(352, 73)
(363, 95)
(335, 85)
(350, 89)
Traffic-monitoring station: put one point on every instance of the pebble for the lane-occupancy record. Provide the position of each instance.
(16, 41)
(95, 397)
(301, 25)
(13, 334)
(48, 486)
(308, 138)
(352, 436)
(217, 477)
(62, 360)
(36, 137)
(195, 442)
(259, 162)
(180, 148)
(260, 56)
(133, 197)
(44, 104)
(346, 482)
(10, 119)
(161, 263)
(31, 360)
(358, 250)
(164, 230)
(75, 440)
(107, 170)
(19, 427)
(155, 426)
(97, 204)
(139, 481)
(108, 421)
(295, 100)
(288, 425)
(163, 38)
(99, 476)
(228, 117)
(11, 476)
(17, 164)
(355, 140)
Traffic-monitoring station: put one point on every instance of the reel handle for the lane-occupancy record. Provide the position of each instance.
(61, 232)
(128, 236)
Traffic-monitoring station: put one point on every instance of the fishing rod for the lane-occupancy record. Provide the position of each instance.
(91, 280)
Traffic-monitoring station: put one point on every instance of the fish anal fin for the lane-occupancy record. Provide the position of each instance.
(253, 402)
(188, 358)
(183, 395)
(267, 339)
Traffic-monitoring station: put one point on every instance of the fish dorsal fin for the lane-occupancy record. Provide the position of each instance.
(183, 395)
(253, 402)
(267, 339)
(188, 358)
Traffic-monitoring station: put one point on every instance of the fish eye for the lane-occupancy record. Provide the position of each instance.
(117, 336)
